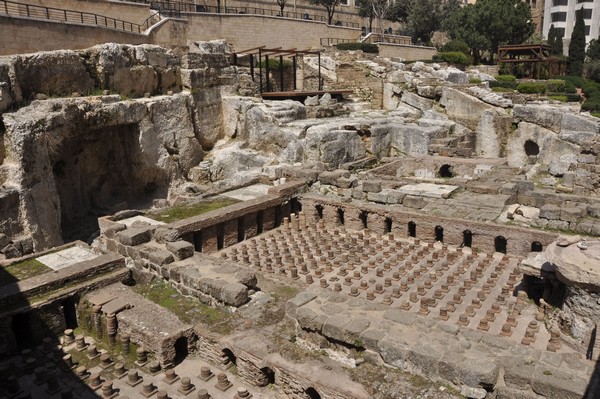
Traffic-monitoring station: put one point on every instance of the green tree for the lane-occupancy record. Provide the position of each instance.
(398, 11)
(365, 10)
(427, 16)
(577, 47)
(487, 24)
(555, 41)
(329, 5)
(593, 51)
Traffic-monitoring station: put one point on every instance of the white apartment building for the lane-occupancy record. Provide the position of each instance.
(561, 13)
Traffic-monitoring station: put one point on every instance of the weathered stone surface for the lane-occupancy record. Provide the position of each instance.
(550, 146)
(560, 166)
(462, 107)
(181, 249)
(134, 236)
(578, 128)
(550, 212)
(371, 186)
(416, 101)
(492, 131)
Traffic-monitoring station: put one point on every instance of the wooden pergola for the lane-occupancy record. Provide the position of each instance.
(534, 57)
(262, 53)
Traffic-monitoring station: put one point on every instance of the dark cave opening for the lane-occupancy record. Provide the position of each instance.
(100, 173)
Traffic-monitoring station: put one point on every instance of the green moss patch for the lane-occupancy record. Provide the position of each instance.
(189, 310)
(181, 212)
(22, 270)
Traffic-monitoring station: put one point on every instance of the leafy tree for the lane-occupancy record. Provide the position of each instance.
(365, 10)
(577, 47)
(329, 5)
(555, 41)
(380, 10)
(398, 11)
(487, 24)
(422, 17)
(593, 51)
(281, 4)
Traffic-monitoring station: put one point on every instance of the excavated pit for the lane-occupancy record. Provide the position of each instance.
(100, 173)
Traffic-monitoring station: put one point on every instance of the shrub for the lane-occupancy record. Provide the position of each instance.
(574, 80)
(591, 104)
(474, 81)
(500, 89)
(559, 97)
(456, 46)
(531, 87)
(590, 88)
(274, 64)
(506, 78)
(593, 71)
(455, 57)
(365, 47)
(555, 85)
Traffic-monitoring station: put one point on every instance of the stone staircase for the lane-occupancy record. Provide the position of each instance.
(286, 111)
(449, 146)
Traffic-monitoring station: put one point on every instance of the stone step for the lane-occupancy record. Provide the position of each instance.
(358, 106)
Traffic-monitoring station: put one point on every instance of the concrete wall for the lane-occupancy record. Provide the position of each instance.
(21, 36)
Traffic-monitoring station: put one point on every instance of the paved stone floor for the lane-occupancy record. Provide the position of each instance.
(67, 257)
(455, 285)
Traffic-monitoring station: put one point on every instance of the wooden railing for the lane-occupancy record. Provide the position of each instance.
(15, 9)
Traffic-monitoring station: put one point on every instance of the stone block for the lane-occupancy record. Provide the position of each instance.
(572, 213)
(134, 236)
(594, 210)
(309, 319)
(370, 338)
(550, 212)
(411, 201)
(394, 197)
(557, 225)
(345, 182)
(334, 327)
(331, 177)
(160, 257)
(371, 186)
(525, 186)
(358, 194)
(379, 197)
(181, 249)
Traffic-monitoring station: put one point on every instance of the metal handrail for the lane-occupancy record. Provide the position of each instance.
(199, 8)
(15, 9)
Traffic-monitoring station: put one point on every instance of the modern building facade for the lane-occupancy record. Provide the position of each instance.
(561, 13)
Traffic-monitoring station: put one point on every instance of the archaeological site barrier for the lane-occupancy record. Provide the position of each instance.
(15, 9)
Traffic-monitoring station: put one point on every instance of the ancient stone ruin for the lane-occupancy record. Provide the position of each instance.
(168, 233)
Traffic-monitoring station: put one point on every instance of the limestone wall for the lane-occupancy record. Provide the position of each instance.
(249, 31)
(407, 53)
(21, 36)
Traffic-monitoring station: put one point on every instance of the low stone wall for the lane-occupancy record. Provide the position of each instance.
(406, 52)
(518, 240)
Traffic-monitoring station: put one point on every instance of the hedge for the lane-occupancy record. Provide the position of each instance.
(532, 87)
(365, 47)
(452, 57)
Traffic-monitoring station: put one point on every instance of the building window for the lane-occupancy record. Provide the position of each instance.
(560, 32)
(345, 2)
(587, 12)
(585, 1)
(559, 16)
(560, 3)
